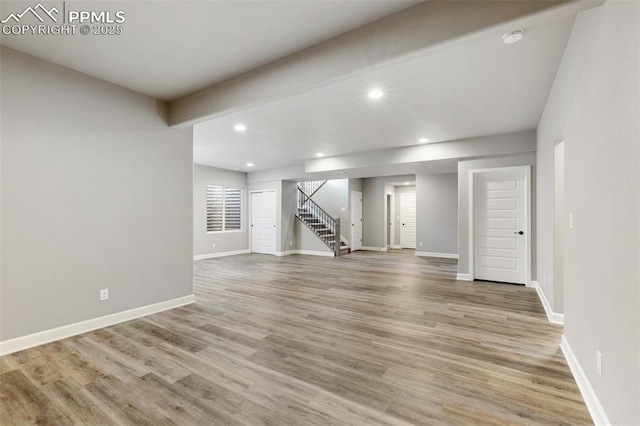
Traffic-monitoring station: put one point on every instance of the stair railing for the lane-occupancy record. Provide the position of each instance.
(311, 187)
(319, 221)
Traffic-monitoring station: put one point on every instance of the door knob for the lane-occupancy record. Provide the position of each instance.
(519, 232)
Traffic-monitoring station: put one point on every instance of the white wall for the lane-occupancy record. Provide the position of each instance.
(437, 212)
(97, 193)
(226, 241)
(595, 102)
(463, 202)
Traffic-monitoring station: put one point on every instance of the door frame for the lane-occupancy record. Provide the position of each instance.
(275, 249)
(527, 211)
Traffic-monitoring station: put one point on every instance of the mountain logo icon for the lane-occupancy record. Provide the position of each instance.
(39, 11)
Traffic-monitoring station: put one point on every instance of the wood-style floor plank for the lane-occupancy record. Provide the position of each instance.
(365, 339)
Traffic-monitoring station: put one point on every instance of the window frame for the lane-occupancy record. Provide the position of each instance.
(224, 212)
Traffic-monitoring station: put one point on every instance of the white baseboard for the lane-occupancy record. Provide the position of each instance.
(463, 277)
(315, 253)
(553, 317)
(440, 255)
(598, 415)
(397, 247)
(222, 254)
(305, 252)
(374, 248)
(58, 333)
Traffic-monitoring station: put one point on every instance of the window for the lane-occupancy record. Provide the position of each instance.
(224, 208)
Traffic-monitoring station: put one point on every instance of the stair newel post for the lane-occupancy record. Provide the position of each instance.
(336, 243)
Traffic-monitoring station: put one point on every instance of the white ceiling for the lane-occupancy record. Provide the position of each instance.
(482, 88)
(172, 48)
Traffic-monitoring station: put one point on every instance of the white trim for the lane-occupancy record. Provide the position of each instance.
(58, 333)
(441, 255)
(553, 317)
(527, 210)
(397, 247)
(221, 254)
(305, 252)
(464, 277)
(315, 253)
(365, 248)
(598, 415)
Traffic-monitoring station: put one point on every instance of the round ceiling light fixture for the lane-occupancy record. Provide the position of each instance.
(375, 94)
(319, 155)
(513, 36)
(240, 127)
(423, 140)
(249, 164)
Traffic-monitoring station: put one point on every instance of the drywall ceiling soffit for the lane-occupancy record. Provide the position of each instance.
(427, 28)
(169, 49)
(484, 87)
(511, 143)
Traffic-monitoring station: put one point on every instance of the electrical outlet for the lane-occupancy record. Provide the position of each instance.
(213, 245)
(420, 243)
(571, 221)
(599, 363)
(104, 294)
(290, 243)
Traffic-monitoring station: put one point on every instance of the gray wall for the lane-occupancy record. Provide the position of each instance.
(373, 209)
(225, 241)
(595, 104)
(306, 240)
(437, 212)
(463, 203)
(97, 193)
(288, 225)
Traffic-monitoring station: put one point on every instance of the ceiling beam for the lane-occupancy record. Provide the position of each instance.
(510, 143)
(426, 28)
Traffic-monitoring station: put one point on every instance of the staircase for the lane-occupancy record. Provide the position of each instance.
(319, 221)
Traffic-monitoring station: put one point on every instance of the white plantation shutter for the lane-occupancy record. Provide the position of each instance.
(224, 208)
(232, 209)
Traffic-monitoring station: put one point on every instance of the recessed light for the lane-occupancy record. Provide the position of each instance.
(423, 140)
(513, 36)
(249, 164)
(375, 94)
(240, 127)
(319, 154)
(407, 183)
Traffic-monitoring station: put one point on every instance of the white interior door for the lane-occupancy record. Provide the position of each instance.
(356, 221)
(263, 222)
(408, 220)
(500, 222)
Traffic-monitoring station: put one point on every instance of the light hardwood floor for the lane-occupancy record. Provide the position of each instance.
(368, 338)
